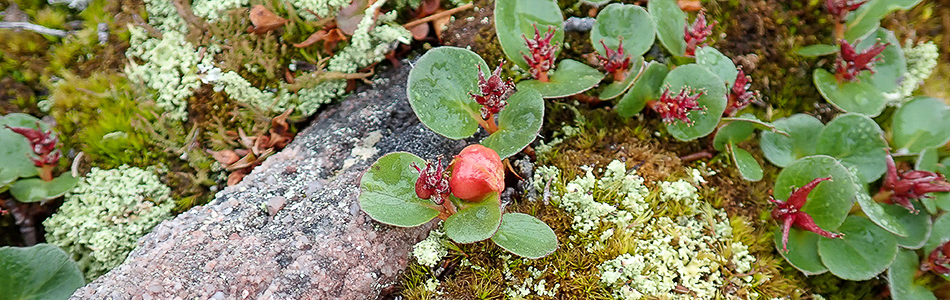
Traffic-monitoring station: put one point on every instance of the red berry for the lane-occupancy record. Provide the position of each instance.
(476, 172)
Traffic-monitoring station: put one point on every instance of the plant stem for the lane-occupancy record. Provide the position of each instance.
(883, 196)
(46, 172)
(696, 156)
(489, 124)
(839, 30)
(543, 77)
(620, 75)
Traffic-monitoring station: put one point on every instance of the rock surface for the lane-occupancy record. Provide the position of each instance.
(292, 229)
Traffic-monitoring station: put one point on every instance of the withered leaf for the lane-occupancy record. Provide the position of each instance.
(329, 38)
(349, 17)
(224, 157)
(690, 5)
(438, 24)
(264, 20)
(420, 31)
(236, 176)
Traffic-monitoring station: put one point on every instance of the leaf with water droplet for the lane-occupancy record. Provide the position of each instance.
(783, 150)
(829, 203)
(858, 142)
(624, 22)
(921, 123)
(438, 90)
(570, 78)
(670, 22)
(865, 250)
(388, 191)
(475, 223)
(518, 123)
(516, 18)
(858, 96)
(901, 276)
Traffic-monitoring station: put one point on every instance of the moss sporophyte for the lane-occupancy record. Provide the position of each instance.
(789, 213)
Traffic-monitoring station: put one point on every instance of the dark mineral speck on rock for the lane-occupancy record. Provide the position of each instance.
(310, 240)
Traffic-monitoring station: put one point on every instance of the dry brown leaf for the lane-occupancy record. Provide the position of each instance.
(349, 17)
(236, 176)
(440, 23)
(264, 20)
(329, 38)
(690, 5)
(428, 7)
(224, 157)
(420, 31)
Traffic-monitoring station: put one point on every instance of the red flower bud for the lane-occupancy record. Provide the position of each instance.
(432, 181)
(789, 213)
(476, 172)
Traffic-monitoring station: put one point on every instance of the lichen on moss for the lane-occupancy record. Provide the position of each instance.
(105, 214)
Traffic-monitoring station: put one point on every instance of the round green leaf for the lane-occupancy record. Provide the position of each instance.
(817, 50)
(615, 89)
(718, 63)
(940, 233)
(890, 70)
(880, 215)
(647, 87)
(782, 150)
(900, 278)
(733, 132)
(921, 123)
(438, 90)
(388, 191)
(748, 167)
(829, 203)
(41, 272)
(859, 96)
(525, 236)
(670, 22)
(713, 100)
(514, 19)
(865, 250)
(623, 22)
(858, 142)
(15, 153)
(802, 250)
(518, 123)
(570, 78)
(927, 159)
(918, 226)
(475, 223)
(36, 190)
(863, 21)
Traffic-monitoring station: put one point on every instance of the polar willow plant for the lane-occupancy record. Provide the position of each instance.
(397, 190)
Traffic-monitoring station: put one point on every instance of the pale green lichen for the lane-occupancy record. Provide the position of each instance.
(169, 68)
(163, 16)
(371, 41)
(430, 251)
(105, 214)
(213, 9)
(671, 253)
(323, 8)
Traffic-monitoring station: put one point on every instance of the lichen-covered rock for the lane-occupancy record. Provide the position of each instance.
(319, 245)
(105, 214)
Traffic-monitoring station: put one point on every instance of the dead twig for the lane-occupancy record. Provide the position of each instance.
(438, 15)
(34, 28)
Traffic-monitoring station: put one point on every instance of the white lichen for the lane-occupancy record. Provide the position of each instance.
(169, 68)
(105, 214)
(430, 251)
(371, 41)
(921, 62)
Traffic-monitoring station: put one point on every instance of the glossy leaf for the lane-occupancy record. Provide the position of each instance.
(388, 191)
(880, 215)
(525, 235)
(670, 23)
(475, 223)
(858, 142)
(570, 78)
(36, 190)
(866, 19)
(829, 203)
(921, 123)
(733, 132)
(647, 87)
(859, 96)
(518, 123)
(802, 250)
(516, 18)
(718, 63)
(438, 89)
(15, 153)
(748, 167)
(782, 150)
(865, 251)
(889, 71)
(624, 22)
(615, 89)
(713, 100)
(927, 159)
(918, 226)
(817, 50)
(900, 278)
(41, 272)
(940, 233)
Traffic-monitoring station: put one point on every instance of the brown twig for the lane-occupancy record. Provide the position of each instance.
(696, 156)
(438, 15)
